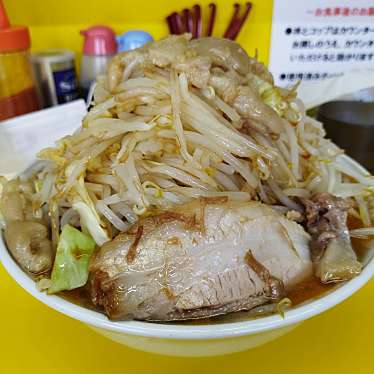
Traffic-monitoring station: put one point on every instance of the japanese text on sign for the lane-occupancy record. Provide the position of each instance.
(320, 39)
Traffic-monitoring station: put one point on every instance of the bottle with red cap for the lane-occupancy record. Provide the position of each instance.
(99, 47)
(17, 90)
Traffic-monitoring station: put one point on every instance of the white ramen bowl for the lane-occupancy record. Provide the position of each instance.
(194, 340)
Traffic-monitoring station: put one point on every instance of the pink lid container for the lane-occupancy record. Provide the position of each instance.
(99, 41)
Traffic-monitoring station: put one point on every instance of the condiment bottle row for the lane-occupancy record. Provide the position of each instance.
(48, 77)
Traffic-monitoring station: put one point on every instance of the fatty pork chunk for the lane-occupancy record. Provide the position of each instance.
(214, 258)
(331, 248)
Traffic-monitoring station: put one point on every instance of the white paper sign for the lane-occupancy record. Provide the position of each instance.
(317, 39)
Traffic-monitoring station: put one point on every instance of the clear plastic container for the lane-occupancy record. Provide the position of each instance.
(99, 47)
(91, 67)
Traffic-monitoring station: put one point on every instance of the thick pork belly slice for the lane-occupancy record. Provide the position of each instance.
(205, 260)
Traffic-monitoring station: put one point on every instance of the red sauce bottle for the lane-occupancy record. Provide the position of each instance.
(17, 90)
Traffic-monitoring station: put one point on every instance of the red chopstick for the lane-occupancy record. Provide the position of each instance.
(170, 21)
(240, 22)
(175, 23)
(212, 18)
(196, 33)
(188, 21)
(178, 23)
(233, 20)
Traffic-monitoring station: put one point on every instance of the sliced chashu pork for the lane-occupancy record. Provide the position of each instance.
(206, 259)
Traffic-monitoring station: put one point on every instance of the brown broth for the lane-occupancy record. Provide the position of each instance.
(360, 246)
(308, 289)
(79, 296)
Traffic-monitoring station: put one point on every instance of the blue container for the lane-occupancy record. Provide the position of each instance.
(133, 39)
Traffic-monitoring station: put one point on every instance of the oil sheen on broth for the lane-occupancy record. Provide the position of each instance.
(308, 289)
